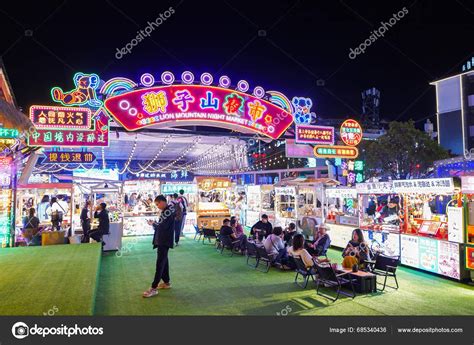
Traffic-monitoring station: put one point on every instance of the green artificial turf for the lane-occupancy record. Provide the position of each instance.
(207, 283)
(59, 279)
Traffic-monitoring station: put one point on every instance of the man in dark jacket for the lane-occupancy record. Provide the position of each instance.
(263, 228)
(85, 222)
(104, 224)
(163, 240)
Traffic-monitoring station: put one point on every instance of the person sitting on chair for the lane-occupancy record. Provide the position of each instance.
(320, 243)
(238, 234)
(104, 224)
(356, 250)
(262, 228)
(289, 232)
(297, 250)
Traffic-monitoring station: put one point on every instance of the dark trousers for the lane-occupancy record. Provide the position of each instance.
(86, 227)
(96, 235)
(162, 267)
(177, 230)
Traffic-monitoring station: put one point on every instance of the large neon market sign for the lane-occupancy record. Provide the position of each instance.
(185, 103)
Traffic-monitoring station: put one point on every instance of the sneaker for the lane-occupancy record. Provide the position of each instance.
(150, 293)
(176, 244)
(164, 286)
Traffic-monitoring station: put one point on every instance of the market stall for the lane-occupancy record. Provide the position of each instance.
(40, 197)
(211, 207)
(138, 197)
(190, 193)
(432, 227)
(379, 216)
(300, 201)
(342, 214)
(260, 200)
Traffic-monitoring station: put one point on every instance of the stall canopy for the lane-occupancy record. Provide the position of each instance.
(308, 181)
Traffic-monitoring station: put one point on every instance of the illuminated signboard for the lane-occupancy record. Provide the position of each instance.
(470, 257)
(171, 188)
(306, 134)
(7, 142)
(84, 92)
(68, 157)
(441, 257)
(293, 150)
(97, 135)
(351, 132)
(9, 133)
(208, 184)
(435, 185)
(335, 151)
(174, 105)
(375, 188)
(103, 174)
(71, 118)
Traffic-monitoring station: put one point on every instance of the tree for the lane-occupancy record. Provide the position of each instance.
(402, 152)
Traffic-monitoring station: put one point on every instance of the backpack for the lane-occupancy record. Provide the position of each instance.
(178, 211)
(182, 200)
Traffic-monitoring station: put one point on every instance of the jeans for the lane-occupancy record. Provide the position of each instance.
(183, 223)
(162, 267)
(177, 230)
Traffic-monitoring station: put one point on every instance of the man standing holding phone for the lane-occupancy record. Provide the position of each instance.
(163, 240)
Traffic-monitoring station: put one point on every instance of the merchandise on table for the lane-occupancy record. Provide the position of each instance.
(138, 200)
(212, 194)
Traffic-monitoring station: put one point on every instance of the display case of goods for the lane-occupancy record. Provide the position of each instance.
(211, 206)
(380, 216)
(267, 202)
(342, 214)
(285, 206)
(433, 226)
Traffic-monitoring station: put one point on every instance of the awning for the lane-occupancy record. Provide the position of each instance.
(11, 117)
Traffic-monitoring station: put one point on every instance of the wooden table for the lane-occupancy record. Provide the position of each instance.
(366, 282)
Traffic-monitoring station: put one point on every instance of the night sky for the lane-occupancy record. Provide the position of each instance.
(44, 43)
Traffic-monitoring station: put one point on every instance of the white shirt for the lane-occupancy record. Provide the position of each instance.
(303, 254)
(273, 244)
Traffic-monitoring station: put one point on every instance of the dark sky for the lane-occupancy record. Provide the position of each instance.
(305, 41)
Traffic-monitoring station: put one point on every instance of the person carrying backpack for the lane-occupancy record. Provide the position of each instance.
(177, 208)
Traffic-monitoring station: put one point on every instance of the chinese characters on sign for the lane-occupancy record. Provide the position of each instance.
(375, 188)
(97, 135)
(171, 105)
(328, 151)
(285, 191)
(68, 157)
(438, 185)
(315, 135)
(8, 133)
(208, 184)
(351, 133)
(60, 117)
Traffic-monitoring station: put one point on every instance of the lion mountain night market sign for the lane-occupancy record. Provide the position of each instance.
(138, 105)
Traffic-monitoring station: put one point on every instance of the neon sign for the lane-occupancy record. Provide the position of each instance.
(72, 118)
(198, 105)
(302, 110)
(9, 133)
(351, 132)
(55, 157)
(307, 134)
(97, 135)
(84, 92)
(335, 151)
